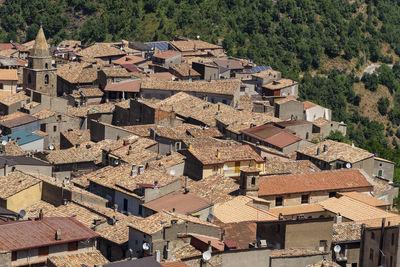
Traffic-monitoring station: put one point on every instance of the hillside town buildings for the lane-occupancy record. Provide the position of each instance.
(174, 154)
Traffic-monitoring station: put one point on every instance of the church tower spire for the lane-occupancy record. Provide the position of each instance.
(40, 76)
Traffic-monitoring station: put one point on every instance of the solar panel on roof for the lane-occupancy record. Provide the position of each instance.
(258, 69)
(159, 45)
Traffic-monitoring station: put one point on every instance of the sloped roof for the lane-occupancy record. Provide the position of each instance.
(319, 181)
(208, 155)
(100, 50)
(8, 75)
(240, 209)
(14, 183)
(32, 234)
(336, 151)
(89, 259)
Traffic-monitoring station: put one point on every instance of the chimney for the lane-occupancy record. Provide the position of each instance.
(219, 107)
(325, 148)
(115, 207)
(133, 171)
(218, 153)
(140, 169)
(77, 145)
(338, 218)
(209, 246)
(186, 184)
(155, 184)
(41, 214)
(280, 217)
(58, 235)
(223, 236)
(318, 151)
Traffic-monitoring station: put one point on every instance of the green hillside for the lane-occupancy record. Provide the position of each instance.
(325, 44)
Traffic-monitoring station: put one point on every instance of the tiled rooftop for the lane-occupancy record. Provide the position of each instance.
(294, 252)
(158, 221)
(70, 155)
(336, 151)
(300, 209)
(370, 200)
(215, 188)
(118, 233)
(89, 259)
(320, 122)
(92, 109)
(354, 210)
(13, 98)
(77, 73)
(77, 136)
(193, 45)
(140, 130)
(182, 203)
(312, 182)
(208, 155)
(87, 92)
(222, 87)
(240, 209)
(44, 114)
(282, 83)
(116, 72)
(16, 182)
(100, 50)
(275, 166)
(345, 232)
(185, 70)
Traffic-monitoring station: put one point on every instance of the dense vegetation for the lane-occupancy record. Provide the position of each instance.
(298, 37)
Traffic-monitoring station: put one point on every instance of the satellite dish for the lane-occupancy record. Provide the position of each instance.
(210, 218)
(225, 167)
(51, 147)
(22, 213)
(116, 162)
(198, 37)
(348, 165)
(146, 246)
(172, 172)
(337, 249)
(207, 256)
(4, 142)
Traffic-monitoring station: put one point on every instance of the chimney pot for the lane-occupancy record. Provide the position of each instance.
(133, 171)
(58, 235)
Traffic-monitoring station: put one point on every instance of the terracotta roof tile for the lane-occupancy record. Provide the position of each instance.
(100, 50)
(215, 188)
(365, 199)
(294, 252)
(185, 70)
(77, 73)
(241, 209)
(166, 54)
(193, 45)
(32, 234)
(311, 182)
(277, 85)
(89, 259)
(208, 155)
(8, 75)
(70, 155)
(77, 136)
(222, 87)
(354, 210)
(345, 232)
(131, 59)
(91, 109)
(336, 151)
(158, 221)
(44, 114)
(87, 92)
(117, 72)
(181, 202)
(16, 182)
(14, 98)
(124, 86)
(299, 209)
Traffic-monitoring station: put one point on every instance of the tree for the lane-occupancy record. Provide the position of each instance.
(383, 105)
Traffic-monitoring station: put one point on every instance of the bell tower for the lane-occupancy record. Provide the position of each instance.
(40, 75)
(249, 181)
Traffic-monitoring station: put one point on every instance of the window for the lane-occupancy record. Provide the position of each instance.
(55, 128)
(371, 254)
(43, 251)
(354, 264)
(43, 127)
(140, 209)
(304, 199)
(46, 79)
(29, 78)
(307, 135)
(372, 235)
(125, 208)
(332, 194)
(1, 86)
(380, 173)
(253, 181)
(391, 261)
(178, 146)
(323, 245)
(72, 246)
(278, 201)
(46, 65)
(14, 256)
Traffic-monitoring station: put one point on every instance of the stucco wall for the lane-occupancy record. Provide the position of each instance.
(25, 198)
